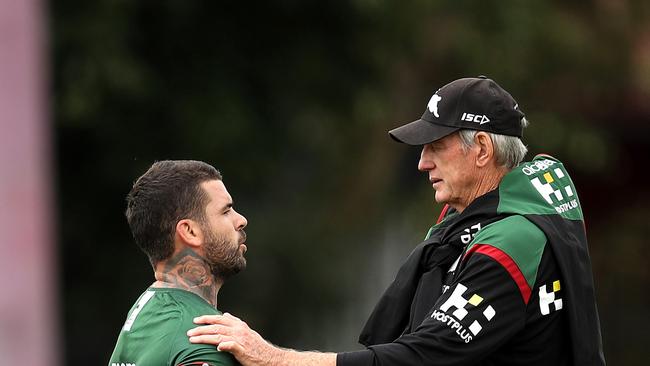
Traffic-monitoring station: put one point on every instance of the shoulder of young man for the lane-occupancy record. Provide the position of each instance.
(184, 353)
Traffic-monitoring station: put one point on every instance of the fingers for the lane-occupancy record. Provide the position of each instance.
(215, 319)
(223, 343)
(230, 346)
(214, 339)
(229, 319)
(210, 330)
(228, 315)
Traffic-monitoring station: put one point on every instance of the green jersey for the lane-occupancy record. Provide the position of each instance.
(154, 333)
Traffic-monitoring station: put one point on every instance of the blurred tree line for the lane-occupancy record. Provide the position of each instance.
(292, 100)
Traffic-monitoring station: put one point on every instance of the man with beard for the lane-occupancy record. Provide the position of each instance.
(182, 217)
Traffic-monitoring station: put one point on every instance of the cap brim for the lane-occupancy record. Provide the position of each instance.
(420, 132)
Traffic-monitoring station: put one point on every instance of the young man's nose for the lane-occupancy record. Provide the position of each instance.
(242, 222)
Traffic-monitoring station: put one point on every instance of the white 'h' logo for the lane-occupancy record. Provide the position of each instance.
(548, 298)
(546, 189)
(459, 302)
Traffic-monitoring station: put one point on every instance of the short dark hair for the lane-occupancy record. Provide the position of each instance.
(167, 193)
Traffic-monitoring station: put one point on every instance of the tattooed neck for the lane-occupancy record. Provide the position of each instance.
(188, 271)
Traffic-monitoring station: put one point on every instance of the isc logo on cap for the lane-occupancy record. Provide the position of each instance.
(478, 118)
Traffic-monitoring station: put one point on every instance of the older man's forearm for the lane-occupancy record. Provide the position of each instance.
(289, 357)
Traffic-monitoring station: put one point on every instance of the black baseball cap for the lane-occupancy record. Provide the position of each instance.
(468, 103)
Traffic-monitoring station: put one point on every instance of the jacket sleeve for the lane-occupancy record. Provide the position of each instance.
(481, 310)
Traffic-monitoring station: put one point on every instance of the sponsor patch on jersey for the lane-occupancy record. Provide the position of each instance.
(549, 298)
(553, 185)
(470, 313)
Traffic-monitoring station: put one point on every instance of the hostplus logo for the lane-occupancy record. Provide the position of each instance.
(549, 299)
(455, 320)
(563, 201)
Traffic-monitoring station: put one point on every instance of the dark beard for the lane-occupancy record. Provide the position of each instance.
(223, 256)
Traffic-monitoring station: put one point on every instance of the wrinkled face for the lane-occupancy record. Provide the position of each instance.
(224, 240)
(452, 171)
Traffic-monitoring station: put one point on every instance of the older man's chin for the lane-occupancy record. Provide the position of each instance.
(440, 198)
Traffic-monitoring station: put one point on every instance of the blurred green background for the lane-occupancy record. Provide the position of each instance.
(292, 100)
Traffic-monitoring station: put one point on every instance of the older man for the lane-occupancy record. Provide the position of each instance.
(503, 278)
(182, 217)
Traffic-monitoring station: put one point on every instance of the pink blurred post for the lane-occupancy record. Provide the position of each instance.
(29, 332)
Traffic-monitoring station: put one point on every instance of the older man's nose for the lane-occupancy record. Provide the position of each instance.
(425, 163)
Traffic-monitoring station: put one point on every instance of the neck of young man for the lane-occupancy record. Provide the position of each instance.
(187, 270)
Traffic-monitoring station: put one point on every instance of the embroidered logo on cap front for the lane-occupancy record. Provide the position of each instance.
(433, 104)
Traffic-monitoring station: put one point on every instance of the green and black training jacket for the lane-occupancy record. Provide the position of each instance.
(506, 282)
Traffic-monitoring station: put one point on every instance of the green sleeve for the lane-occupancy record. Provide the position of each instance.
(205, 355)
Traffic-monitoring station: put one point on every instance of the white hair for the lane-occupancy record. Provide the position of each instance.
(509, 151)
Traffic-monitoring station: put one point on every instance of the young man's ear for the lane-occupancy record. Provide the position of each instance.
(189, 232)
(486, 148)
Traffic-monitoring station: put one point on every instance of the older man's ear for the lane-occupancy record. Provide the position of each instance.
(485, 149)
